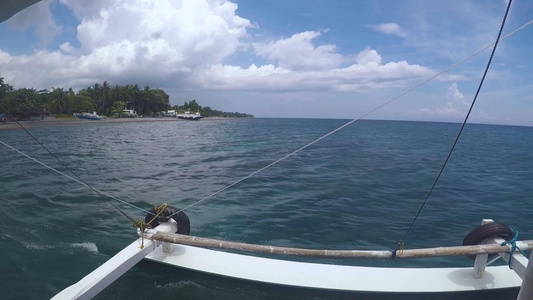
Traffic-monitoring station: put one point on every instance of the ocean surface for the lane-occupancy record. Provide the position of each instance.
(357, 189)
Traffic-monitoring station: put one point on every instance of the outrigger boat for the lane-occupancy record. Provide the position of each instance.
(162, 245)
(169, 243)
(88, 116)
(190, 116)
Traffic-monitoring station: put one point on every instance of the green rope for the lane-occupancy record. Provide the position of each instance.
(514, 247)
(143, 225)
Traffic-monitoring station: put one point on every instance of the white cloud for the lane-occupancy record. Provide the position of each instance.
(187, 32)
(39, 17)
(455, 96)
(367, 73)
(388, 28)
(135, 41)
(174, 44)
(298, 53)
(368, 57)
(67, 48)
(456, 106)
(86, 9)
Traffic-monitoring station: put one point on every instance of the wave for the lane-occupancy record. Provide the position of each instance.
(91, 247)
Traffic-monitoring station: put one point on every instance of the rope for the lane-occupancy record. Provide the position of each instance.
(158, 209)
(512, 242)
(143, 225)
(136, 223)
(356, 119)
(401, 243)
(81, 181)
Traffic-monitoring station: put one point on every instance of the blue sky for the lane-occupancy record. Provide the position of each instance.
(314, 58)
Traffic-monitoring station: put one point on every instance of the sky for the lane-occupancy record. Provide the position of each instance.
(288, 59)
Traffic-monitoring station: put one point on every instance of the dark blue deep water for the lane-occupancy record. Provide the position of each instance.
(357, 189)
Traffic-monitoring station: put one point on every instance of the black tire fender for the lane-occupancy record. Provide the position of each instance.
(485, 231)
(184, 224)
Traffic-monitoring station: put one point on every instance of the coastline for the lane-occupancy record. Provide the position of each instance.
(60, 122)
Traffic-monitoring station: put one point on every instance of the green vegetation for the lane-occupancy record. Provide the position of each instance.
(193, 106)
(105, 99)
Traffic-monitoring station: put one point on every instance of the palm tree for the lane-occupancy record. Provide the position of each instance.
(105, 94)
(56, 100)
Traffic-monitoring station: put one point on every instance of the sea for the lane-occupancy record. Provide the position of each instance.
(359, 188)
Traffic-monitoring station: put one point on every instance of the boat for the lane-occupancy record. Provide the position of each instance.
(129, 113)
(190, 116)
(162, 245)
(169, 114)
(88, 116)
(164, 238)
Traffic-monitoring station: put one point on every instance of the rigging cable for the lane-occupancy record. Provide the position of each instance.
(401, 242)
(78, 180)
(354, 120)
(269, 165)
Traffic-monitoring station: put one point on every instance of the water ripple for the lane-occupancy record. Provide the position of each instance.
(357, 189)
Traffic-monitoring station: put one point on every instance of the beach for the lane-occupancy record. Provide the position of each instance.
(59, 122)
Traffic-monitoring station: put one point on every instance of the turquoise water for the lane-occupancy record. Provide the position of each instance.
(357, 189)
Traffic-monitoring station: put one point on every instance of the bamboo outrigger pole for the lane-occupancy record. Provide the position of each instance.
(341, 254)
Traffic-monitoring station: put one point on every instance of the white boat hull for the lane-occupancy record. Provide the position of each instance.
(336, 277)
(92, 284)
(405, 283)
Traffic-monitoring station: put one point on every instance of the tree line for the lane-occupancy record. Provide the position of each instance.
(206, 111)
(103, 98)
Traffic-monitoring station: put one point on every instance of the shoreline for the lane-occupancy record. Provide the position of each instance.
(61, 122)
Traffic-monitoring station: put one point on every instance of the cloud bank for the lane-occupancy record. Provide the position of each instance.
(185, 44)
(456, 105)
